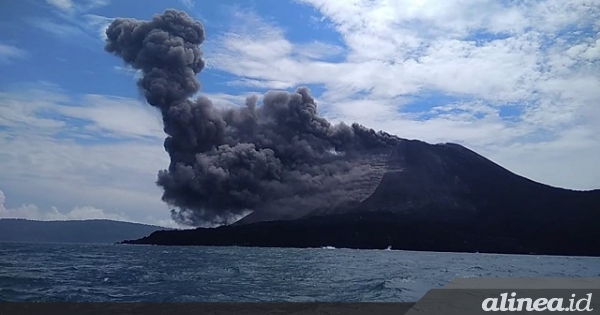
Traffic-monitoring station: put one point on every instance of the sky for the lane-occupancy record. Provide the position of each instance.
(517, 81)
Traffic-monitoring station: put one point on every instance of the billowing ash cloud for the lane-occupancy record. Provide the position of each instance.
(275, 156)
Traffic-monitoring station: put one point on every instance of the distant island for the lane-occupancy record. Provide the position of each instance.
(75, 231)
(441, 197)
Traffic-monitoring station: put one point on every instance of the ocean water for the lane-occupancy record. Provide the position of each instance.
(125, 273)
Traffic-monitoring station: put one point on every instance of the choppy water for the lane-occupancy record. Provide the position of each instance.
(67, 272)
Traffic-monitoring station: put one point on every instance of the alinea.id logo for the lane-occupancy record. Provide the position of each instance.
(514, 304)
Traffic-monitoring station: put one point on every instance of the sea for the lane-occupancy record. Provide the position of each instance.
(128, 273)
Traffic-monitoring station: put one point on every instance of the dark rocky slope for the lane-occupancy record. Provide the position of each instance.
(447, 181)
(433, 197)
(378, 230)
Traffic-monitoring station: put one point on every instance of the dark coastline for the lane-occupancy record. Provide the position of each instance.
(379, 230)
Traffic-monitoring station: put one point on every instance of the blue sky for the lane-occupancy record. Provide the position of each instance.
(517, 81)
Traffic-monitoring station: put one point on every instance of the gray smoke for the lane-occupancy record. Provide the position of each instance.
(278, 156)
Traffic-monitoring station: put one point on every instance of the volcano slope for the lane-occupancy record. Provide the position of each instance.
(441, 197)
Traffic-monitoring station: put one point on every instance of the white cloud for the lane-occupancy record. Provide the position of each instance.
(32, 212)
(99, 146)
(48, 112)
(262, 57)
(224, 100)
(187, 3)
(317, 50)
(98, 23)
(65, 5)
(71, 21)
(135, 119)
(8, 53)
(107, 175)
(137, 74)
(69, 6)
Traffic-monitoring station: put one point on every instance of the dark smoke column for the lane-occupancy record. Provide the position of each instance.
(166, 50)
(279, 159)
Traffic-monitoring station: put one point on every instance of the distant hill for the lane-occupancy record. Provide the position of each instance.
(84, 231)
(441, 197)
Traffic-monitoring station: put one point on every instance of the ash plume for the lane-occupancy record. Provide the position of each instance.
(276, 156)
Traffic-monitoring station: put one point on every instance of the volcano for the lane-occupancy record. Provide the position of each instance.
(438, 197)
